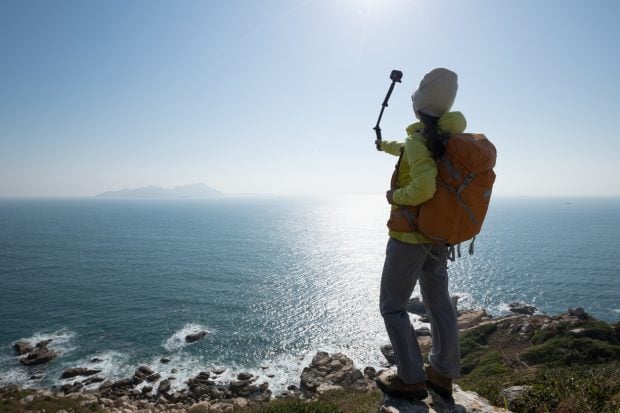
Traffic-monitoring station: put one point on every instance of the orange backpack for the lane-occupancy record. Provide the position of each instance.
(456, 211)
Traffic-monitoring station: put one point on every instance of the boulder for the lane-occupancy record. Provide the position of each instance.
(388, 352)
(510, 396)
(244, 376)
(416, 306)
(369, 372)
(22, 347)
(200, 407)
(145, 370)
(164, 387)
(334, 370)
(153, 377)
(78, 371)
(520, 308)
(578, 312)
(164, 360)
(471, 318)
(123, 383)
(72, 388)
(191, 338)
(43, 344)
(423, 332)
(40, 355)
(240, 402)
(91, 380)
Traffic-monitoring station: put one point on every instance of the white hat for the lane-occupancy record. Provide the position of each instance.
(436, 92)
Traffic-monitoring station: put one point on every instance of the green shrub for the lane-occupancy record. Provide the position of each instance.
(10, 403)
(480, 334)
(336, 401)
(569, 350)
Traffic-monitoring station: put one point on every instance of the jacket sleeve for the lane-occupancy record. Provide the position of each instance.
(391, 147)
(422, 171)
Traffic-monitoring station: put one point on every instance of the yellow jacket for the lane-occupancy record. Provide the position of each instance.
(418, 171)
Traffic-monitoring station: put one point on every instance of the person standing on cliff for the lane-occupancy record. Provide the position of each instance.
(410, 256)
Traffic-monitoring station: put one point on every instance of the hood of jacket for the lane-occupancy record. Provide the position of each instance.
(450, 123)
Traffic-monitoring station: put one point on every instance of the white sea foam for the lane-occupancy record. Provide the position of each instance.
(15, 376)
(184, 365)
(62, 340)
(114, 365)
(616, 310)
(177, 340)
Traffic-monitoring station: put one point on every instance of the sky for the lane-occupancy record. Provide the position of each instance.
(280, 96)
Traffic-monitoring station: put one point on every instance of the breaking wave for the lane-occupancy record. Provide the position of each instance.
(177, 340)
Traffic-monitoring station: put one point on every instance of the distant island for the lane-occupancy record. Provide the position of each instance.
(193, 191)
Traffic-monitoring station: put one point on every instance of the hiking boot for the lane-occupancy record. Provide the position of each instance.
(391, 384)
(442, 385)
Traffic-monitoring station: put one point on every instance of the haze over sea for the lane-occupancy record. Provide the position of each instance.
(271, 279)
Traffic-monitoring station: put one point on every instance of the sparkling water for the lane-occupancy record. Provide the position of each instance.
(119, 283)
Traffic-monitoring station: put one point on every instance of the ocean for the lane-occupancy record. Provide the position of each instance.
(272, 280)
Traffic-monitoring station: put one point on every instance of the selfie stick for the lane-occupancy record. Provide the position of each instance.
(395, 76)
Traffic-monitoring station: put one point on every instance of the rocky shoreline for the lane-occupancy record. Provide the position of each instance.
(148, 391)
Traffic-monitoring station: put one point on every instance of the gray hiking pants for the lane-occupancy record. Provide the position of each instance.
(404, 265)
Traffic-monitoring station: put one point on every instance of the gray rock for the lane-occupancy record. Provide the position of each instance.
(72, 388)
(578, 312)
(145, 370)
(23, 347)
(164, 360)
(164, 387)
(462, 402)
(153, 377)
(123, 383)
(200, 407)
(244, 376)
(579, 332)
(370, 372)
(44, 343)
(27, 400)
(191, 338)
(388, 352)
(471, 318)
(520, 308)
(511, 395)
(416, 306)
(423, 332)
(237, 385)
(39, 355)
(78, 371)
(91, 380)
(336, 370)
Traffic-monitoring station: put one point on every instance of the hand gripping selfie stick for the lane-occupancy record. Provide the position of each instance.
(395, 76)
